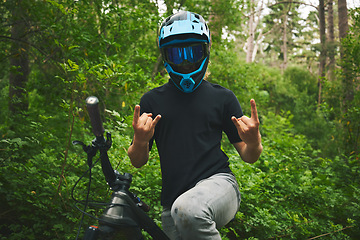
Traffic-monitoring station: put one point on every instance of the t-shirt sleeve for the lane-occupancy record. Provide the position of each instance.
(232, 108)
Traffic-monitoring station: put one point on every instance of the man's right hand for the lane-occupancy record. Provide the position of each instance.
(144, 126)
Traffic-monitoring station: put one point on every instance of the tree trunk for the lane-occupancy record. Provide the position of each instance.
(284, 37)
(169, 7)
(252, 44)
(252, 29)
(258, 42)
(19, 60)
(343, 18)
(323, 47)
(215, 22)
(346, 76)
(331, 48)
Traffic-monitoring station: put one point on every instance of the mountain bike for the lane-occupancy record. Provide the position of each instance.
(125, 215)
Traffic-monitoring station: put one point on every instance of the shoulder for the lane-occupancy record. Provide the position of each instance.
(215, 86)
(156, 91)
(218, 89)
(155, 97)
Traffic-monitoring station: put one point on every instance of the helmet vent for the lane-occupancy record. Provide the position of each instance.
(170, 29)
(193, 27)
(187, 85)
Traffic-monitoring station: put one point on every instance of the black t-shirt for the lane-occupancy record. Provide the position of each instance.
(188, 135)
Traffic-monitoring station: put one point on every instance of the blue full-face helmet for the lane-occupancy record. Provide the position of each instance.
(184, 42)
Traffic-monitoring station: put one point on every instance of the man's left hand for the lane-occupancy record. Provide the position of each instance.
(248, 128)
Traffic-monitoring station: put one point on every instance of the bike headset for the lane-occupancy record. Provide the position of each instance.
(184, 43)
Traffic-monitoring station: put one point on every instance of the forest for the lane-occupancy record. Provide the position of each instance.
(300, 61)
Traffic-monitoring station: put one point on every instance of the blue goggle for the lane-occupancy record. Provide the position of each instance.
(184, 55)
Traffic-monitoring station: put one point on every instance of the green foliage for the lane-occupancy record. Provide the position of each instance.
(350, 76)
(304, 185)
(291, 192)
(245, 80)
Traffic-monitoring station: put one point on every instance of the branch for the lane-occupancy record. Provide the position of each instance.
(272, 5)
(330, 233)
(300, 3)
(290, 227)
(24, 42)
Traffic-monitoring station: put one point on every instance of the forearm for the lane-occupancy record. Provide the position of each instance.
(249, 153)
(138, 153)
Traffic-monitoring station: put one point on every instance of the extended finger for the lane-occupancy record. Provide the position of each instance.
(254, 114)
(136, 114)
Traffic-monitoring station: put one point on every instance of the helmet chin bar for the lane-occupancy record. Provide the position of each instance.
(185, 81)
(187, 84)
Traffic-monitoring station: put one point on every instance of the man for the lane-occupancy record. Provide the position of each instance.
(186, 118)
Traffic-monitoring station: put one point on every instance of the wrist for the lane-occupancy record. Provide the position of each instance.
(254, 148)
(255, 143)
(139, 142)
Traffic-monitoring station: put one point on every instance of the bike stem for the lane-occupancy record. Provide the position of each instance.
(99, 143)
(125, 208)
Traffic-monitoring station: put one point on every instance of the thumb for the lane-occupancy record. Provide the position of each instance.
(156, 120)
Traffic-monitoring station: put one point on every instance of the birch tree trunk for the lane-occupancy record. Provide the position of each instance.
(250, 40)
(252, 43)
(284, 46)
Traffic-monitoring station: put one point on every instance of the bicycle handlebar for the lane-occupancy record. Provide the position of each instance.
(119, 183)
(92, 104)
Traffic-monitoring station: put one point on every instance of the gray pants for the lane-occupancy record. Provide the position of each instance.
(199, 212)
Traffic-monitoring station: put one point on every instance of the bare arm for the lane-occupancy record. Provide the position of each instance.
(248, 129)
(144, 127)
(248, 154)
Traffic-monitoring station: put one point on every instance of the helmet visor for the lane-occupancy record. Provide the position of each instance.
(185, 54)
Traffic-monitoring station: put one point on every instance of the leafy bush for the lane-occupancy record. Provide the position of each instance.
(291, 192)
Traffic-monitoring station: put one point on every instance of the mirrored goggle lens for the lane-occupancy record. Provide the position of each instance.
(178, 55)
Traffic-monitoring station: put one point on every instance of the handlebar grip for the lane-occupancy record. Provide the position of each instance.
(143, 206)
(92, 104)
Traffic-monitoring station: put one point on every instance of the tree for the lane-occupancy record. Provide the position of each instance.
(255, 34)
(350, 75)
(331, 45)
(347, 81)
(323, 47)
(283, 21)
(19, 58)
